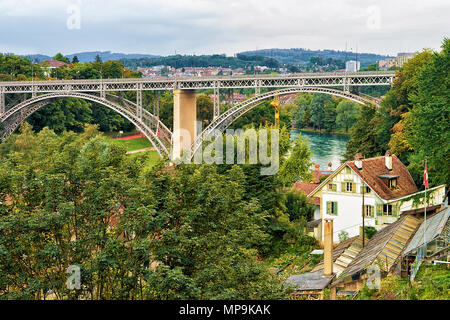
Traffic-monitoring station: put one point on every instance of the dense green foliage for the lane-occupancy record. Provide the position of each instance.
(413, 118)
(136, 232)
(322, 111)
(300, 56)
(215, 60)
(187, 232)
(431, 283)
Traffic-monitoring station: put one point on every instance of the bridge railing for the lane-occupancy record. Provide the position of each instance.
(218, 78)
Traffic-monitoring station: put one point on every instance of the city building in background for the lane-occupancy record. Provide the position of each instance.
(352, 66)
(396, 62)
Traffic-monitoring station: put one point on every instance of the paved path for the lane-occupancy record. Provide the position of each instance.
(141, 150)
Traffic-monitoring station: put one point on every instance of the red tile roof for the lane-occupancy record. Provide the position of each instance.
(372, 168)
(54, 63)
(306, 187)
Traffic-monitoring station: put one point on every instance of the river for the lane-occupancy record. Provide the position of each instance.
(326, 147)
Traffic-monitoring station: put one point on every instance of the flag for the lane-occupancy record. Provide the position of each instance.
(425, 176)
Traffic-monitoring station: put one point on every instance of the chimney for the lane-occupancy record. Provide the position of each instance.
(358, 160)
(388, 160)
(328, 248)
(330, 166)
(317, 166)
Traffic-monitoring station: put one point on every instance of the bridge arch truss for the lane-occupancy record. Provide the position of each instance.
(152, 128)
(224, 120)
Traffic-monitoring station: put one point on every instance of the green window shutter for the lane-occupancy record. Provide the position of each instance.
(343, 187)
(328, 207)
(395, 210)
(379, 209)
(353, 187)
(336, 208)
(361, 189)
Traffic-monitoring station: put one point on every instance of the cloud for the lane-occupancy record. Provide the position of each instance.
(221, 26)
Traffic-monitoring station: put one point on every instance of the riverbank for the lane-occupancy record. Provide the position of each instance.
(322, 131)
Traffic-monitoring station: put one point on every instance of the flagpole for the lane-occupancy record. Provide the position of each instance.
(425, 213)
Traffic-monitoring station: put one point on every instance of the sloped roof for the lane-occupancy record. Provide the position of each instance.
(432, 228)
(386, 245)
(373, 168)
(308, 281)
(54, 63)
(337, 252)
(306, 187)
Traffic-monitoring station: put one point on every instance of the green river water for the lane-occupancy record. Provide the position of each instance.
(326, 147)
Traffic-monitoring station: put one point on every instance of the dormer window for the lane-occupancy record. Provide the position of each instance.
(393, 183)
(390, 180)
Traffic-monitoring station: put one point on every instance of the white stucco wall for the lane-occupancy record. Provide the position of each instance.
(349, 210)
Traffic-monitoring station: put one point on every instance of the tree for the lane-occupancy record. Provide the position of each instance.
(60, 57)
(317, 107)
(329, 121)
(75, 59)
(205, 108)
(98, 59)
(298, 205)
(302, 115)
(183, 233)
(63, 114)
(112, 69)
(362, 135)
(347, 112)
(297, 166)
(429, 131)
(398, 100)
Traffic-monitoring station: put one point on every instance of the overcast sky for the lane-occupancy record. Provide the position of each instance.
(221, 26)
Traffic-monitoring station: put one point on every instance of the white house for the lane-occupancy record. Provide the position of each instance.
(386, 186)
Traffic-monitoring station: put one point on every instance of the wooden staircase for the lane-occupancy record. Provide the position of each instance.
(341, 263)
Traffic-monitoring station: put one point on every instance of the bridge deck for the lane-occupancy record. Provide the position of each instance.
(328, 79)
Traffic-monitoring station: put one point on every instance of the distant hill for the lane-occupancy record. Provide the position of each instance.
(300, 56)
(108, 55)
(215, 60)
(90, 56)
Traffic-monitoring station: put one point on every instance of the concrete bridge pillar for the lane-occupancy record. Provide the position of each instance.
(184, 120)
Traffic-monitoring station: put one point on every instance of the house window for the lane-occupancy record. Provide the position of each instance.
(369, 211)
(332, 208)
(387, 209)
(349, 187)
(366, 190)
(393, 183)
(332, 187)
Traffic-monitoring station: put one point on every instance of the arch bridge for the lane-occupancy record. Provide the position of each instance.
(20, 99)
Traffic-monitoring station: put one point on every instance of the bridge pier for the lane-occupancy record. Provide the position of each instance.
(2, 103)
(216, 102)
(184, 121)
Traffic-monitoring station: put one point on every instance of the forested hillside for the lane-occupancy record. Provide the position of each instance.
(300, 56)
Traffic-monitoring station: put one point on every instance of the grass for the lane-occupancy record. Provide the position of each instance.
(137, 144)
(133, 144)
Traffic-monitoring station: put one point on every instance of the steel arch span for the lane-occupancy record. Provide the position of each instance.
(224, 120)
(152, 128)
